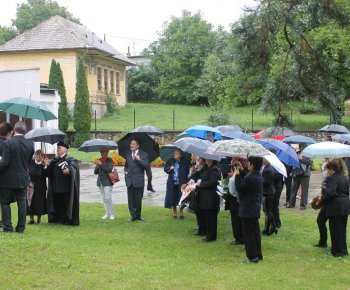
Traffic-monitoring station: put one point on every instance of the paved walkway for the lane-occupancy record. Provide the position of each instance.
(89, 191)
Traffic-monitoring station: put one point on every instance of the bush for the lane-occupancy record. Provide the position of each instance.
(111, 104)
(217, 118)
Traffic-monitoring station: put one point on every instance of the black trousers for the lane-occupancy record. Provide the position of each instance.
(252, 238)
(288, 183)
(275, 209)
(270, 222)
(337, 228)
(135, 195)
(236, 222)
(211, 223)
(149, 176)
(61, 201)
(202, 230)
(321, 222)
(21, 198)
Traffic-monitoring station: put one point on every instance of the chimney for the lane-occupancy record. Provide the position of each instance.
(128, 54)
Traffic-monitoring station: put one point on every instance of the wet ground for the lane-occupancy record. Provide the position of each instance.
(89, 191)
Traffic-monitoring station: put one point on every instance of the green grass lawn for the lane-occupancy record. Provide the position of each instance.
(163, 253)
(163, 115)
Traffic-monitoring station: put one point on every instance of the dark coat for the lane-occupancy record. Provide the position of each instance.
(72, 183)
(16, 156)
(268, 180)
(250, 188)
(135, 170)
(184, 168)
(305, 167)
(335, 191)
(208, 198)
(102, 171)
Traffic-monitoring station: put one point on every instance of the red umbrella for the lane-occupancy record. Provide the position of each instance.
(278, 133)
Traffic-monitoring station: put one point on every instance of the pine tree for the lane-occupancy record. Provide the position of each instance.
(82, 111)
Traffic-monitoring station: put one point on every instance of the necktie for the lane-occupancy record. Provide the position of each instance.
(133, 155)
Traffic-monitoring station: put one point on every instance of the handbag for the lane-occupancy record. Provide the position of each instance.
(317, 202)
(113, 176)
(194, 201)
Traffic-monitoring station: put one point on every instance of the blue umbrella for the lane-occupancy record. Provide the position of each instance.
(299, 139)
(200, 131)
(238, 135)
(284, 152)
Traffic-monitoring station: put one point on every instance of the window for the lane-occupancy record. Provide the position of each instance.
(111, 79)
(122, 73)
(117, 83)
(105, 80)
(99, 79)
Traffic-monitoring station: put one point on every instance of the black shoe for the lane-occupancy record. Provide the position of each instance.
(199, 234)
(275, 231)
(265, 232)
(302, 207)
(150, 188)
(255, 260)
(140, 219)
(236, 242)
(290, 206)
(30, 223)
(132, 219)
(205, 240)
(318, 245)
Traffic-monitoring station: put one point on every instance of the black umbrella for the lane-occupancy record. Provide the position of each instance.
(334, 128)
(95, 145)
(167, 151)
(151, 130)
(45, 134)
(147, 144)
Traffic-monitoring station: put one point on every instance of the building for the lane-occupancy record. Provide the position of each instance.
(66, 41)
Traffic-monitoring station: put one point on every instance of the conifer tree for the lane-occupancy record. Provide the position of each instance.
(82, 111)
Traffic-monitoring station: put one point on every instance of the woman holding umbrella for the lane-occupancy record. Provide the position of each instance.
(177, 169)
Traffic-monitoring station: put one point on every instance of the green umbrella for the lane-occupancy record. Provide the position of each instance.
(27, 108)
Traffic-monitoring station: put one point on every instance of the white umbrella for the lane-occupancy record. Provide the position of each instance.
(276, 163)
(326, 150)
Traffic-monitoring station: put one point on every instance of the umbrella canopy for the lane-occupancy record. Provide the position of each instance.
(237, 148)
(327, 150)
(228, 128)
(167, 151)
(201, 130)
(95, 145)
(342, 137)
(284, 152)
(151, 130)
(237, 135)
(45, 134)
(147, 144)
(278, 133)
(276, 163)
(334, 128)
(183, 135)
(299, 139)
(27, 108)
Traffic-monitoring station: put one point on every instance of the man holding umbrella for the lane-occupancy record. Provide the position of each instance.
(136, 163)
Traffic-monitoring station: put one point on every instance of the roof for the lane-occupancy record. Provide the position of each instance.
(60, 33)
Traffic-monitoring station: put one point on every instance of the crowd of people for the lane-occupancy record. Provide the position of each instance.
(41, 185)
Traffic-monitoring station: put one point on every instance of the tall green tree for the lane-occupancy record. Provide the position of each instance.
(56, 82)
(6, 34)
(178, 56)
(82, 110)
(33, 12)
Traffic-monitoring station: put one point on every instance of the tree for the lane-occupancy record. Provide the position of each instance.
(6, 34)
(56, 82)
(178, 56)
(82, 111)
(33, 12)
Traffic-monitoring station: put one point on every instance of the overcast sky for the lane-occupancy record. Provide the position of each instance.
(136, 23)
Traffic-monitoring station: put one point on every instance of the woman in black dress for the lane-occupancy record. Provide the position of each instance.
(36, 194)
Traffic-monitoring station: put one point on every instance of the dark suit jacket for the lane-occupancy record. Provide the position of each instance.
(16, 156)
(335, 190)
(135, 170)
(268, 180)
(250, 189)
(208, 198)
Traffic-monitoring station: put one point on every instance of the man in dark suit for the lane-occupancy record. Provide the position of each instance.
(14, 177)
(135, 165)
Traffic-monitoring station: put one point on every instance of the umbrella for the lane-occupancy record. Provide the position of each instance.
(147, 144)
(27, 108)
(327, 150)
(201, 130)
(237, 148)
(299, 139)
(95, 145)
(183, 135)
(237, 135)
(196, 146)
(342, 137)
(45, 134)
(276, 163)
(151, 130)
(167, 151)
(284, 152)
(228, 128)
(278, 133)
(334, 128)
